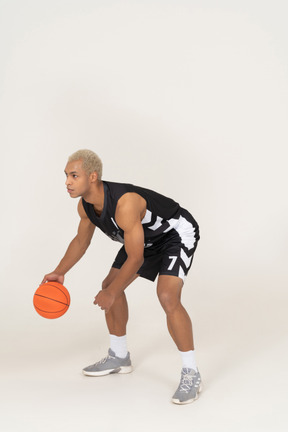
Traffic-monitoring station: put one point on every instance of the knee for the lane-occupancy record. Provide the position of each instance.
(169, 301)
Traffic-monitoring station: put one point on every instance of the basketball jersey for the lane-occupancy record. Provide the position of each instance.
(162, 214)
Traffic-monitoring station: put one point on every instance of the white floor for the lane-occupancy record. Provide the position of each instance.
(241, 352)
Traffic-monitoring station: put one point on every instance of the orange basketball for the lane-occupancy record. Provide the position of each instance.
(51, 300)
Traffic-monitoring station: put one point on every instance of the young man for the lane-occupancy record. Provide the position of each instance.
(158, 236)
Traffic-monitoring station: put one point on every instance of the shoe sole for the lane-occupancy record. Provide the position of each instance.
(178, 402)
(120, 370)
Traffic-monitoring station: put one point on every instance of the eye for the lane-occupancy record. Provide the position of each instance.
(75, 176)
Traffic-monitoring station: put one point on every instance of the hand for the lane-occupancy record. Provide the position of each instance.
(105, 300)
(53, 277)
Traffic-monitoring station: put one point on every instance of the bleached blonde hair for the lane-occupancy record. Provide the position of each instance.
(91, 161)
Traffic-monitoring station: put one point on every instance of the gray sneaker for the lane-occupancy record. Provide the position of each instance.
(108, 365)
(189, 387)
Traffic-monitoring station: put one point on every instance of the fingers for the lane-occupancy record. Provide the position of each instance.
(44, 280)
(96, 299)
(101, 302)
(97, 303)
(53, 277)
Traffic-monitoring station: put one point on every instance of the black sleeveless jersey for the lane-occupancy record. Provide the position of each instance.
(162, 215)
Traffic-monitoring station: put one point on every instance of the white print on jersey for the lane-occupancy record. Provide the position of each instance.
(185, 258)
(184, 229)
(147, 218)
(157, 224)
(114, 223)
(181, 273)
(173, 260)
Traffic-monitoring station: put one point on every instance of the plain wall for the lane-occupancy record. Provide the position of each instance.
(185, 97)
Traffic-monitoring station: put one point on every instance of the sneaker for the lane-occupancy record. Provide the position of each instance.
(189, 387)
(108, 365)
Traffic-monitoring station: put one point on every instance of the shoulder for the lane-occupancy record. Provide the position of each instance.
(130, 209)
(131, 201)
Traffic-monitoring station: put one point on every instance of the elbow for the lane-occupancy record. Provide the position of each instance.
(139, 261)
(136, 261)
(85, 247)
(87, 244)
(83, 243)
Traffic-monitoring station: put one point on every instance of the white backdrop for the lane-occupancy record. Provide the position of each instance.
(185, 97)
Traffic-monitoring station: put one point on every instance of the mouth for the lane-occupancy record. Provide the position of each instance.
(69, 190)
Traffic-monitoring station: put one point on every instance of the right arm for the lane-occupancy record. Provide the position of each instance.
(76, 249)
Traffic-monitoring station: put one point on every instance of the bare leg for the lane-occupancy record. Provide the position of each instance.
(178, 321)
(117, 317)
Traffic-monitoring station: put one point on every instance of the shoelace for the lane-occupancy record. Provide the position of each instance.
(104, 360)
(186, 383)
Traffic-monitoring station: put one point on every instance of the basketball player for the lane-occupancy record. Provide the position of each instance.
(159, 238)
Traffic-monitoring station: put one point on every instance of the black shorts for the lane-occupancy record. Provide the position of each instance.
(172, 255)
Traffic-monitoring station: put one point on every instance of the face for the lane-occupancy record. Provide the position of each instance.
(77, 181)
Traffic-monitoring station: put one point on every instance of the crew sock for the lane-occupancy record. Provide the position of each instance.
(188, 359)
(118, 344)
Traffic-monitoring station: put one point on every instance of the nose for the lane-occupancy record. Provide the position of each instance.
(67, 182)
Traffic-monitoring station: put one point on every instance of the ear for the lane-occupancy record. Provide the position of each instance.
(93, 177)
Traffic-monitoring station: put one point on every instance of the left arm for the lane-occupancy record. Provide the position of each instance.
(128, 217)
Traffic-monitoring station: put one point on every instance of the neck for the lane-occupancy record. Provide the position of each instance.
(95, 195)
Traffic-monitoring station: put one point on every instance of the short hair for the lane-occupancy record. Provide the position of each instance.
(91, 161)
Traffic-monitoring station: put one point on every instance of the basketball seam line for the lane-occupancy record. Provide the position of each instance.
(53, 312)
(55, 286)
(39, 295)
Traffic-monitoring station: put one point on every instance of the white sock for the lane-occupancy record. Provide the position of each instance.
(118, 344)
(188, 360)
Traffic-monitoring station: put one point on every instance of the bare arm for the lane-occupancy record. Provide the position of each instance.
(128, 217)
(76, 249)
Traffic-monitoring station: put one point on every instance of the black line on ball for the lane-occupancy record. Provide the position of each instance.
(55, 312)
(49, 298)
(55, 286)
